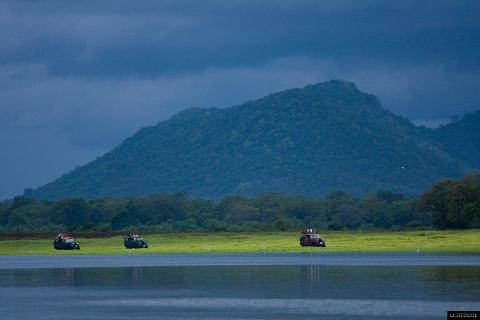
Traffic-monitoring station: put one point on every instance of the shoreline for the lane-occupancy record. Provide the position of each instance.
(243, 259)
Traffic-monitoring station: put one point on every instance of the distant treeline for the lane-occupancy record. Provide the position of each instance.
(447, 204)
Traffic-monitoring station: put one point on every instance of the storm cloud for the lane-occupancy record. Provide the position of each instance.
(78, 78)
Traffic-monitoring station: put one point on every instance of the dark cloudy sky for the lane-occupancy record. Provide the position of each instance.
(76, 77)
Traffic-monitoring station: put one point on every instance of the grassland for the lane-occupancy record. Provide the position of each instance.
(459, 241)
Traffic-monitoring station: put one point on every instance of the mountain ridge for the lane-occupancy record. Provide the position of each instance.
(308, 141)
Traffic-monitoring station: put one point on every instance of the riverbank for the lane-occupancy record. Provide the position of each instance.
(456, 241)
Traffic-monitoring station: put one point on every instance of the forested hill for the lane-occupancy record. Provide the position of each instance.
(461, 138)
(309, 141)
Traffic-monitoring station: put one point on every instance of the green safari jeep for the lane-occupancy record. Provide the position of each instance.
(65, 242)
(134, 241)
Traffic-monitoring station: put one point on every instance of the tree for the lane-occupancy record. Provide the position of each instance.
(4, 213)
(73, 212)
(435, 200)
(388, 196)
(349, 216)
(453, 203)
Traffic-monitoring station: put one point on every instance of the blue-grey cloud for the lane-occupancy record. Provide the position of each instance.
(172, 37)
(76, 78)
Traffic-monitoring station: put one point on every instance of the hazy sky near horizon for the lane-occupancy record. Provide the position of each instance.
(77, 78)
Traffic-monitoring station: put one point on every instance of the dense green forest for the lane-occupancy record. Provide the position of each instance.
(453, 203)
(446, 204)
(461, 137)
(310, 141)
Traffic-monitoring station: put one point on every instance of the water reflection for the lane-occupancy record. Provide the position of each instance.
(261, 292)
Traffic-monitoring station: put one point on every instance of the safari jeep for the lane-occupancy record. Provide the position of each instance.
(134, 241)
(65, 242)
(309, 237)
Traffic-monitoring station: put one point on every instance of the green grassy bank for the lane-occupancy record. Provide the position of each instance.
(458, 241)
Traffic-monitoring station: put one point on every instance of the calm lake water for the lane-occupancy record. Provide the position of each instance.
(241, 286)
